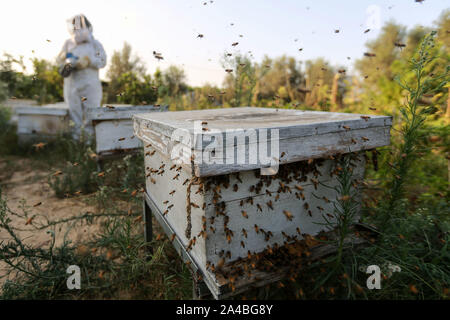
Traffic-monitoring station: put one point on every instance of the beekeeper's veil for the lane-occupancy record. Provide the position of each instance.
(80, 28)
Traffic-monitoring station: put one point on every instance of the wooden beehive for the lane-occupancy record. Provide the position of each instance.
(113, 127)
(41, 122)
(225, 208)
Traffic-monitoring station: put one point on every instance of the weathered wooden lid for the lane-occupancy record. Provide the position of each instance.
(56, 109)
(300, 134)
(121, 111)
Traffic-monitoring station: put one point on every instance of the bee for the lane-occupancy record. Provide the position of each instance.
(283, 153)
(179, 168)
(29, 221)
(244, 214)
(366, 118)
(288, 215)
(277, 197)
(298, 231)
(250, 200)
(176, 176)
(37, 204)
(213, 230)
(242, 244)
(300, 49)
(368, 54)
(353, 141)
(365, 138)
(269, 204)
(234, 44)
(172, 192)
(346, 127)
(185, 181)
(268, 192)
(121, 139)
(299, 188)
(220, 263)
(200, 35)
(341, 71)
(133, 193)
(399, 44)
(367, 30)
(330, 216)
(244, 232)
(101, 174)
(83, 99)
(326, 199)
(57, 173)
(259, 207)
(306, 206)
(228, 70)
(152, 180)
(195, 205)
(235, 187)
(320, 208)
(256, 228)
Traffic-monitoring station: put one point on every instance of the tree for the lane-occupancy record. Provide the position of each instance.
(174, 79)
(123, 62)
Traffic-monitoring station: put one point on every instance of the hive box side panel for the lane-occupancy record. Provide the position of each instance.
(165, 185)
(271, 218)
(115, 135)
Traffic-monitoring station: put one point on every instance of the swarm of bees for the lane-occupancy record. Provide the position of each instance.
(288, 248)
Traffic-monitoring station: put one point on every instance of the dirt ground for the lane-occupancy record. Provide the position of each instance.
(26, 189)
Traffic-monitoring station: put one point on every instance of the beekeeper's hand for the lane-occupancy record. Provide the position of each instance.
(83, 62)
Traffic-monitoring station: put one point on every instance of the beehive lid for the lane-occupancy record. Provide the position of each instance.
(301, 134)
(55, 109)
(121, 111)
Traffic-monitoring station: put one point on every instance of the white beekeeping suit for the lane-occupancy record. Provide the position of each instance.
(80, 59)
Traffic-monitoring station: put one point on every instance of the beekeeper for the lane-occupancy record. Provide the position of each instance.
(80, 59)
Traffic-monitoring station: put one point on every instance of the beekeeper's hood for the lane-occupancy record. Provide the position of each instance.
(80, 28)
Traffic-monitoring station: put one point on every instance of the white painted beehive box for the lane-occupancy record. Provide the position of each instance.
(41, 123)
(217, 193)
(113, 127)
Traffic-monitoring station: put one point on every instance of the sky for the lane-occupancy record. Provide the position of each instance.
(171, 27)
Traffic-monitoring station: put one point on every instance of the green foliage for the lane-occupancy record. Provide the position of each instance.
(8, 136)
(134, 91)
(43, 85)
(414, 116)
(79, 174)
